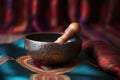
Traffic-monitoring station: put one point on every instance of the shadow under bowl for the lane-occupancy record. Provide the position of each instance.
(43, 50)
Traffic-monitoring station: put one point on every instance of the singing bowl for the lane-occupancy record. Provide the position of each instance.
(42, 48)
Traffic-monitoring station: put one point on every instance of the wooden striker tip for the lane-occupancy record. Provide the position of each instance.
(72, 30)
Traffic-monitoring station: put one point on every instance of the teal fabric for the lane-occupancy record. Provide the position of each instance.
(11, 70)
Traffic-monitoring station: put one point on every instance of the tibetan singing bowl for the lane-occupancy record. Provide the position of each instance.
(42, 48)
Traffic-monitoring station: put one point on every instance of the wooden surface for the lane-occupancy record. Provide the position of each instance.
(10, 38)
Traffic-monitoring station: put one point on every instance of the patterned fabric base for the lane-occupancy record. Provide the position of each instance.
(26, 61)
(4, 59)
(46, 73)
(49, 77)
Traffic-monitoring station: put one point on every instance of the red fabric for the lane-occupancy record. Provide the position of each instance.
(52, 14)
(107, 56)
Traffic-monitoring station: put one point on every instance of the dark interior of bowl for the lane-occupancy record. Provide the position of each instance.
(47, 37)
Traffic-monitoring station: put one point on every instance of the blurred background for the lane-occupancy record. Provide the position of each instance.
(99, 19)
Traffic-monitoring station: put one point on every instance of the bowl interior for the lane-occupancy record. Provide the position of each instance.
(47, 37)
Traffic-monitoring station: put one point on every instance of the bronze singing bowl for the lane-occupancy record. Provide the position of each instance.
(42, 48)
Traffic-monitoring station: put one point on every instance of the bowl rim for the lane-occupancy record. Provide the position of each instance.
(25, 37)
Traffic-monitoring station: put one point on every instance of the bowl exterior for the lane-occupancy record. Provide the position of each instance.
(50, 53)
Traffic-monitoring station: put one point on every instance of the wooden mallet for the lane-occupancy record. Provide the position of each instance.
(72, 30)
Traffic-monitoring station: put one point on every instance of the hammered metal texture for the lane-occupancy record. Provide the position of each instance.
(50, 53)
